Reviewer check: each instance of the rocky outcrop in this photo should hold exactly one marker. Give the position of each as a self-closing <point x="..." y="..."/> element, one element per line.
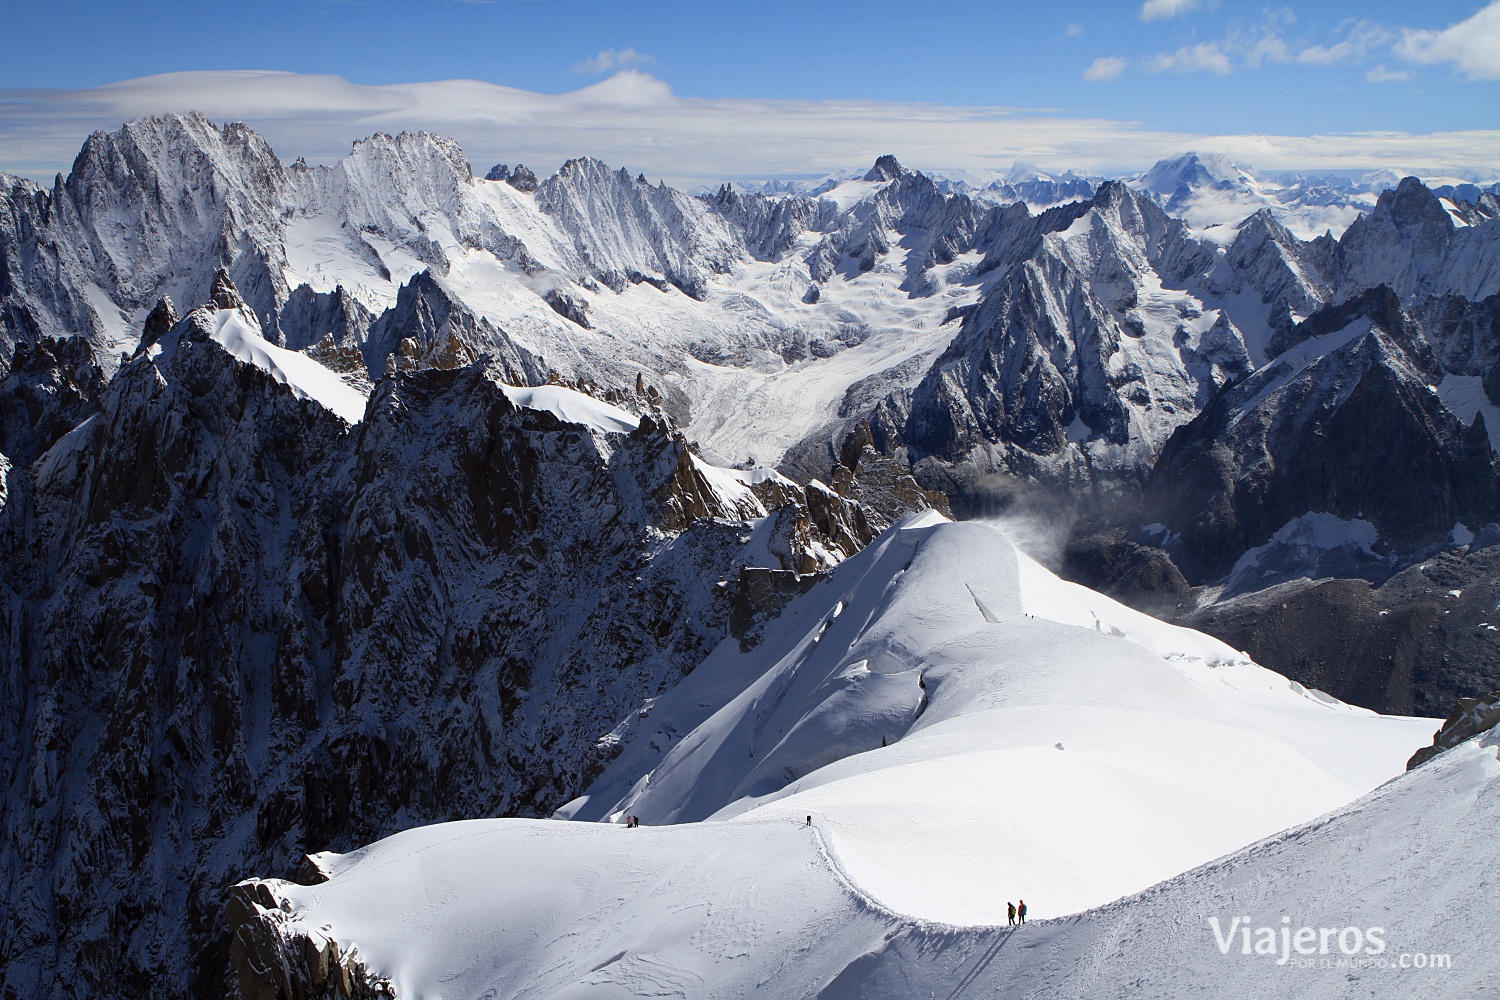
<point x="570" y="307"/>
<point x="271" y="957"/>
<point x="428" y="327"/>
<point x="1470" y="718"/>
<point x="1344" y="424"/>
<point x="239" y="629"/>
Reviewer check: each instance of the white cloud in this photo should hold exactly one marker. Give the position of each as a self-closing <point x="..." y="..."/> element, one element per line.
<point x="1161" y="10"/>
<point x="1074" y="29"/>
<point x="634" y="120"/>
<point x="613" y="59"/>
<point x="1379" y="74"/>
<point x="1203" y="57"/>
<point x="1472" y="45"/>
<point x="1105" y="68"/>
<point x="1263" y="49"/>
<point x="1361" y="39"/>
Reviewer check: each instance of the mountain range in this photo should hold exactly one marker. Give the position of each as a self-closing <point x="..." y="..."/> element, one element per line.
<point x="342" y="499"/>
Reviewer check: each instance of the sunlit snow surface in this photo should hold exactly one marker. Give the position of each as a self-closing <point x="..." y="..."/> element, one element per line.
<point x="972" y="663"/>
<point x="237" y="331"/>
<point x="1041" y="741"/>
<point x="573" y="407"/>
<point x="751" y="403"/>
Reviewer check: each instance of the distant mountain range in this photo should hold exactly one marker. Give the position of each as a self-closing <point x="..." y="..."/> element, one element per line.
<point x="344" y="498"/>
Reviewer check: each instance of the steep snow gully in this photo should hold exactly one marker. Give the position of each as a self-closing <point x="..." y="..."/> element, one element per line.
<point x="1061" y="748"/>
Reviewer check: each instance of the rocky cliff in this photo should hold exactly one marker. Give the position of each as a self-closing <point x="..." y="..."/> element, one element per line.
<point x="239" y="628"/>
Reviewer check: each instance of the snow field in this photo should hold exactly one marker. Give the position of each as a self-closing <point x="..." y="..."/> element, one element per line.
<point x="971" y="664"/>
<point x="1061" y="749"/>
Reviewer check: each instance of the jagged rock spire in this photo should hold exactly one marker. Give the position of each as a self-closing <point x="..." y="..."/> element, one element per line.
<point x="224" y="294"/>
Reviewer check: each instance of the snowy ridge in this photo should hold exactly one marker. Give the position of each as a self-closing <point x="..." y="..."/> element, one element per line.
<point x="755" y="900"/>
<point x="572" y="406"/>
<point x="237" y="331"/>
<point x="881" y="694"/>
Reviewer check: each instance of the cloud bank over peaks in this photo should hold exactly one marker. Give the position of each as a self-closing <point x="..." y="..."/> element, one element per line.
<point x="634" y="120"/>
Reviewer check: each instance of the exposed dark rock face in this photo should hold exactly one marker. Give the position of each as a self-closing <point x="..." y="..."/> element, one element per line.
<point x="429" y="328"/>
<point x="310" y="317"/>
<point x="1469" y="718"/>
<point x="1351" y="428"/>
<point x="237" y="630"/>
<point x="159" y="321"/>
<point x="570" y="307"/>
<point x="522" y="179"/>
<point x="51" y="387"/>
<point x="1142" y="576"/>
<point x="882" y="485"/>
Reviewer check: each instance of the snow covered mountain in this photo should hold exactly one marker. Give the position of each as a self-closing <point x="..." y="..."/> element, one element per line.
<point x="963" y="729"/>
<point x="441" y="480"/>
<point x="1208" y="190"/>
<point x="773" y="323"/>
<point x="251" y="612"/>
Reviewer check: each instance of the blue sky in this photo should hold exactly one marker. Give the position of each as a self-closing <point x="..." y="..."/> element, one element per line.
<point x="1209" y="67"/>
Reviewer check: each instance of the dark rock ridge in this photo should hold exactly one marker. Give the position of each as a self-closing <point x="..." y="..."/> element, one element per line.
<point x="1044" y="380"/>
<point x="430" y="328"/>
<point x="237" y="630"/>
<point x="1349" y="427"/>
<point x="1470" y="718"/>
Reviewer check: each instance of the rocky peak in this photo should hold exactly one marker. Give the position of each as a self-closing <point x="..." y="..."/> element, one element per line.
<point x="413" y="154"/>
<point x="223" y="294"/>
<point x="429" y="328"/>
<point x="1412" y="206"/>
<point x="159" y="322"/>
<point x="625" y="232"/>
<point x="1380" y="305"/>
<point x="522" y="179"/>
<point x="308" y="317"/>
<point x="886" y="168"/>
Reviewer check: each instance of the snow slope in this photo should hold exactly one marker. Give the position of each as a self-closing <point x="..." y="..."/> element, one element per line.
<point x="1412" y="859"/>
<point x="1171" y="747"/>
<point x="1038" y="738"/>
<point x="237" y="331"/>
<point x="572" y="406"/>
<point x="537" y="908"/>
